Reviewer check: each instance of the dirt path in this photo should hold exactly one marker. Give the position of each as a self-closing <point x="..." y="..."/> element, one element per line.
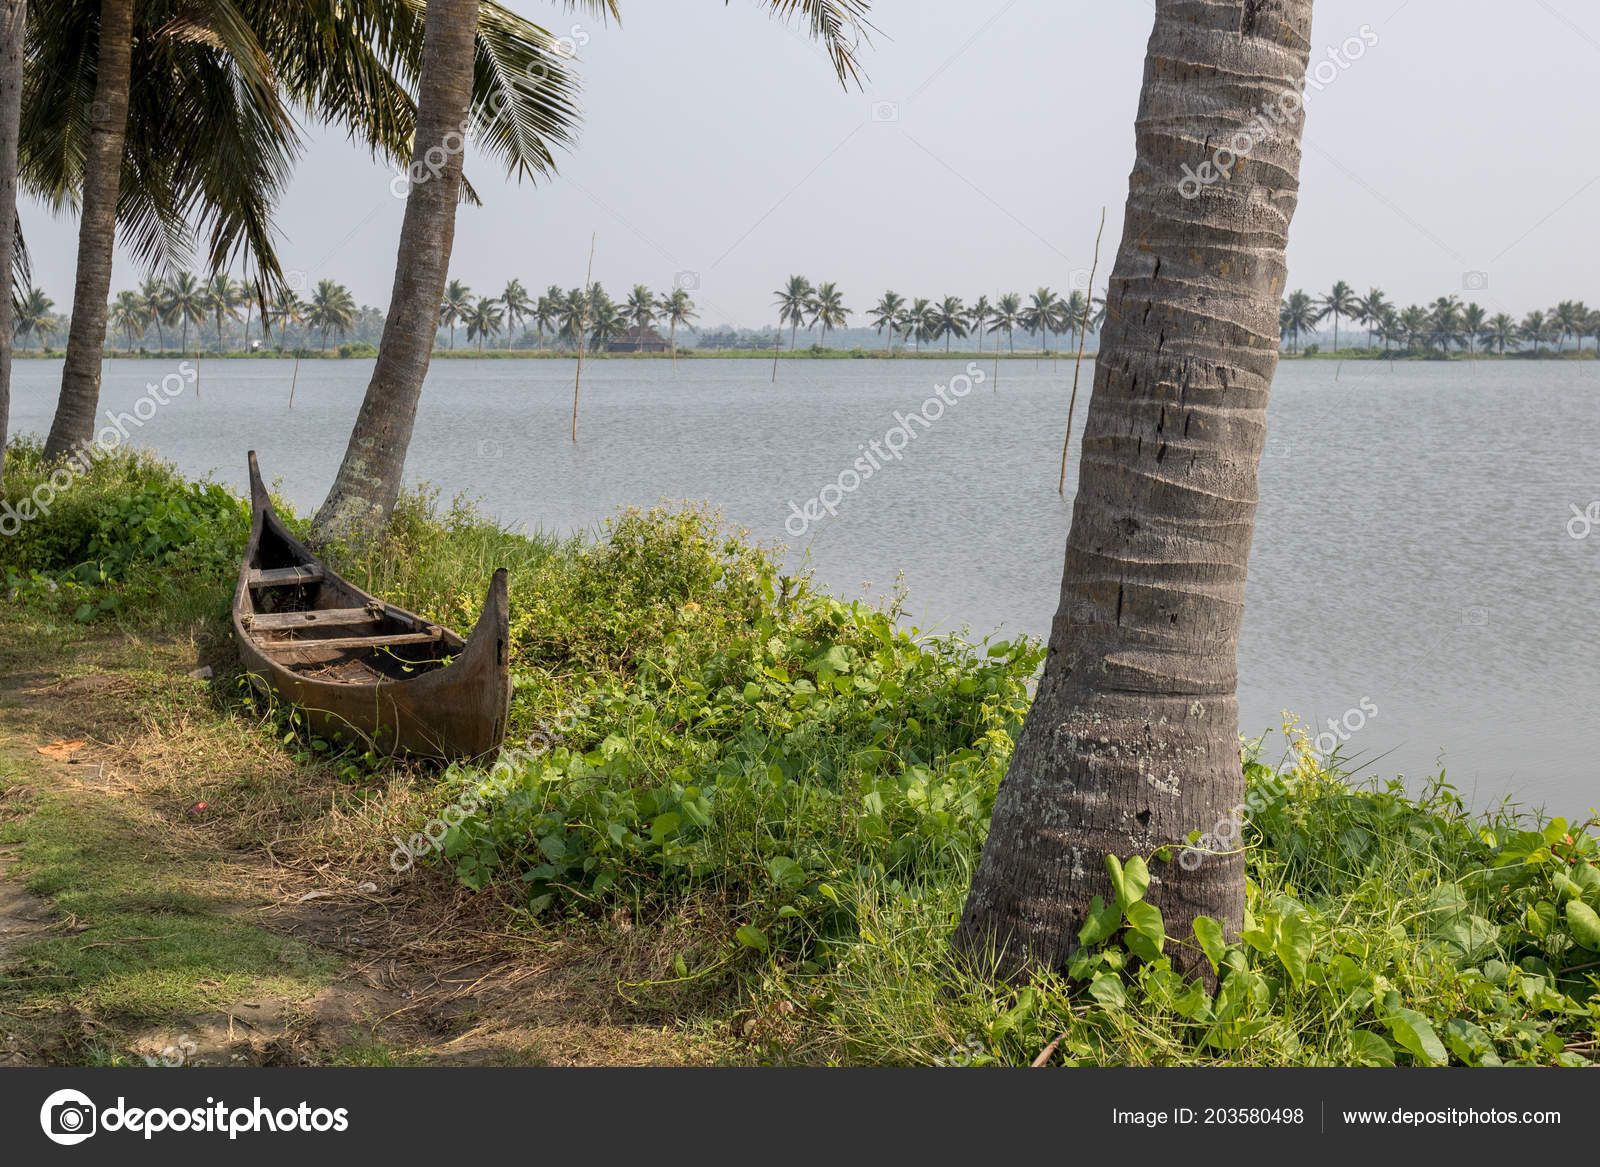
<point x="151" y="933"/>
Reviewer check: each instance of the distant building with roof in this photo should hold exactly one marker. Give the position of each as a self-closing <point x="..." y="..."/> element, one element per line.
<point x="639" y="340"/>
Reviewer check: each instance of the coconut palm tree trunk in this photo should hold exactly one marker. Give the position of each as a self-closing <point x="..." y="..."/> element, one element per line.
<point x="13" y="26"/>
<point x="1132" y="742"/>
<point x="368" y="482"/>
<point x="97" y="232"/>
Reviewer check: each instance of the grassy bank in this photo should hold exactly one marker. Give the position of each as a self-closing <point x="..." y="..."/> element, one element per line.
<point x="748" y="840"/>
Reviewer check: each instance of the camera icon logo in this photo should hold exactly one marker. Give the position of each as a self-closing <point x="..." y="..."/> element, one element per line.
<point x="686" y="281"/>
<point x="1475" y="281"/>
<point x="886" y="111"/>
<point x="295" y="279"/>
<point x="1078" y="281"/>
<point x="1475" y="617"/>
<point x="68" y="1117"/>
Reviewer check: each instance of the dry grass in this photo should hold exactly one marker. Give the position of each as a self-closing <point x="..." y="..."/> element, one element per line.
<point x="422" y="971"/>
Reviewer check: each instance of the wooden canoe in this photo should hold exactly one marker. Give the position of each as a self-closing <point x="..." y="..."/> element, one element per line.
<point x="361" y="667"/>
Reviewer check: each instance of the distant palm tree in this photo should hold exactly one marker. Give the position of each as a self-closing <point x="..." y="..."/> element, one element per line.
<point x="224" y="297"/>
<point x="1007" y="315"/>
<point x="1473" y="319"/>
<point x="31" y="314"/>
<point x="979" y="315"/>
<point x="828" y="310"/>
<point x="249" y="297"/>
<point x="604" y="317"/>
<point x="1416" y="327"/>
<point x="285" y="308"/>
<point x="1369" y="310"/>
<point x="949" y="321"/>
<point x="455" y="306"/>
<point x="484" y="319"/>
<point x="572" y="315"/>
<point x="794" y="305"/>
<point x="606" y="321"/>
<point x="1075" y="314"/>
<point x="129" y="313"/>
<point x="886" y="314"/>
<point x="1568" y="319"/>
<point x="917" y="321"/>
<point x="640" y="309"/>
<point x="332" y="310"/>
<point x="153" y="293"/>
<point x="1389" y="329"/>
<point x="1591" y="328"/>
<point x="1297" y="315"/>
<point x="547" y="312"/>
<point x="1500" y="330"/>
<point x="184" y="299"/>
<point x="1340" y="302"/>
<point x="1445" y="317"/>
<point x="1535" y="328"/>
<point x="676" y="308"/>
<point x="1043" y="315"/>
<point x="514" y="300"/>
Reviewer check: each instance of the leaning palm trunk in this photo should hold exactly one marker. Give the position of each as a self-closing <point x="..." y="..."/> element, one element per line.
<point x="1133" y="739"/>
<point x="368" y="482"/>
<point x="13" y="22"/>
<point x="97" y="232"/>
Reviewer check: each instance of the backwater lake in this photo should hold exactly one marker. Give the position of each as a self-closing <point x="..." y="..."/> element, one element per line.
<point x="1421" y="546"/>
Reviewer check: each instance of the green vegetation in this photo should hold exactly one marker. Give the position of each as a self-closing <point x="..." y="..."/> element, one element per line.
<point x="786" y="792"/>
<point x="147" y="945"/>
<point x="1443" y="330"/>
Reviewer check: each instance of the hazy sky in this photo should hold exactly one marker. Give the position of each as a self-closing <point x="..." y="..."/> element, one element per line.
<point x="990" y="133"/>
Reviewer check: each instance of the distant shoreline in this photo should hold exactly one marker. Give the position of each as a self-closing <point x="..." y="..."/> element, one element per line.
<point x="689" y="355"/>
<point x="555" y="355"/>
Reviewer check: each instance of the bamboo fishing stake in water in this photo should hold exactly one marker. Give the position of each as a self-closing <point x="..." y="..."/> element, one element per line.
<point x="1083" y="339"/>
<point x="583" y="337"/>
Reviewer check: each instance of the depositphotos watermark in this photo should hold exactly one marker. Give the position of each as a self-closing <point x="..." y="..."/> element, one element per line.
<point x="81" y="460"/>
<point x="1224" y="837"/>
<point x="502" y="775"/>
<point x="68" y="1117"/>
<point x="1583" y="522"/>
<point x="1239" y="147"/>
<point x="879" y="453"/>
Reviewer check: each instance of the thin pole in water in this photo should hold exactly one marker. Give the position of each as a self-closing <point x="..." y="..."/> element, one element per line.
<point x="583" y="334"/>
<point x="1083" y="339"/>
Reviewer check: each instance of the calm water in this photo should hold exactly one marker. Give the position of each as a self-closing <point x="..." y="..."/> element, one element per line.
<point x="1412" y="548"/>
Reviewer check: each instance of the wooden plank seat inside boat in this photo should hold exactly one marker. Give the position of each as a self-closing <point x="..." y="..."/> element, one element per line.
<point x="278" y="577"/>
<point x="341" y="617"/>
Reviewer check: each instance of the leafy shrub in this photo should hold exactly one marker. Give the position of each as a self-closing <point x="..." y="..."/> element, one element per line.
<point x="1432" y="938"/>
<point x="130" y="526"/>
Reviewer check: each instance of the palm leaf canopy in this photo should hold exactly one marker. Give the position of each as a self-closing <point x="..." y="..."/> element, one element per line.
<point x="217" y="84"/>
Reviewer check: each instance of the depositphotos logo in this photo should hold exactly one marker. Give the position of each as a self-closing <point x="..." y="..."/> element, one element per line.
<point x="70" y="1116"/>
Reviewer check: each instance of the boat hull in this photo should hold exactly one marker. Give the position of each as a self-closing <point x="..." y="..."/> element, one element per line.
<point x="420" y="690"/>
